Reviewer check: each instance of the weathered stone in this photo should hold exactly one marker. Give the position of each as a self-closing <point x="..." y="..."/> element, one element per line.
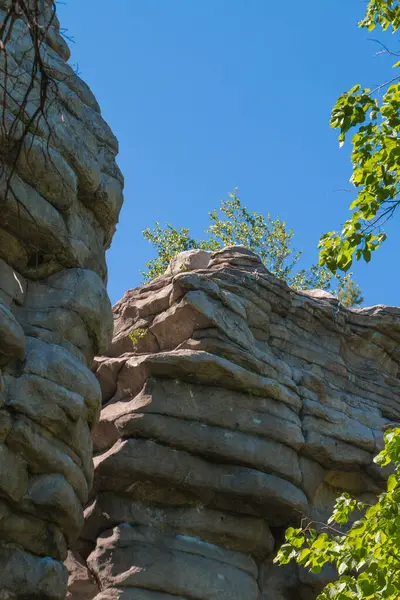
<point x="12" y="337"/>
<point x="241" y="404"/>
<point x="60" y="195"/>
<point x="45" y="454"/>
<point x="135" y="594"/>
<point x="13" y="474"/>
<point x="130" y="460"/>
<point x="237" y="256"/>
<point x="12" y="250"/>
<point x="59" y="410"/>
<point x="45" y="402"/>
<point x="206" y="368"/>
<point x="58" y="326"/>
<point x="198" y="311"/>
<point x="354" y="482"/>
<point x="52" y="497"/>
<point x="215" y="406"/>
<point x="12" y="283"/>
<point x="81" y="583"/>
<point x="189" y="260"/>
<point x="107" y="372"/>
<point x="332" y="453"/>
<point x="175" y="566"/>
<point x="5" y="424"/>
<point x="279" y="582"/>
<point x="316" y="582"/>
<point x="241" y="533"/>
<point x="140" y="303"/>
<point x="52" y="362"/>
<point x="333" y="423"/>
<point x="321" y="295"/>
<point x="80" y="291"/>
<point x="47" y="171"/>
<point x="215" y="443"/>
<point x="177" y="324"/>
<point x="313" y="475"/>
<point x="33" y="534"/>
<point x="29" y="575"/>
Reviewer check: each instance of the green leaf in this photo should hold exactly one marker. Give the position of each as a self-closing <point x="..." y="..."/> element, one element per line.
<point x="367" y="555"/>
<point x="367" y="255"/>
<point x="303" y="555"/>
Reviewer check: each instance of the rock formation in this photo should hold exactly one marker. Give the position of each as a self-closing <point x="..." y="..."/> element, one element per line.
<point x="60" y="195"/>
<point x="232" y="407"/>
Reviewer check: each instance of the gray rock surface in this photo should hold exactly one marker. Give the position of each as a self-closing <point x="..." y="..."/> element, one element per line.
<point x="189" y="260"/>
<point x="60" y="196"/>
<point x="240" y="407"/>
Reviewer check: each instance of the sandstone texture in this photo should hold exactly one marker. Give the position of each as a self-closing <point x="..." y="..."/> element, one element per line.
<point x="232" y="407"/>
<point x="60" y="195"/>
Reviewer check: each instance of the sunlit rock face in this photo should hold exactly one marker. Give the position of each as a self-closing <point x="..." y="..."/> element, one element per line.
<point x="232" y="407"/>
<point x="60" y="195"/>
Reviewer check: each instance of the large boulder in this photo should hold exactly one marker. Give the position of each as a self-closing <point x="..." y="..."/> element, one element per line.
<point x="60" y="195"/>
<point x="233" y="406"/>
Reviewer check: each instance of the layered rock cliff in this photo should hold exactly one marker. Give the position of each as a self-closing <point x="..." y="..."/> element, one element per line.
<point x="232" y="407"/>
<point x="60" y="195"/>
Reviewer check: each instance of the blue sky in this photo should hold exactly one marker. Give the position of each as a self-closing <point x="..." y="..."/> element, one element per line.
<point x="208" y="95"/>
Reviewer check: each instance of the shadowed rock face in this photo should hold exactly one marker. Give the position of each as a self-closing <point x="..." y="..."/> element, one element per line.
<point x="237" y="406"/>
<point x="59" y="203"/>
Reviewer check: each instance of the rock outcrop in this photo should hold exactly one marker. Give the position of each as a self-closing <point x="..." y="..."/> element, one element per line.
<point x="232" y="407"/>
<point x="60" y="195"/>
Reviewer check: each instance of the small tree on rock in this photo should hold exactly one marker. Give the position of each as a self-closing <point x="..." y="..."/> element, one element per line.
<point x="271" y="239"/>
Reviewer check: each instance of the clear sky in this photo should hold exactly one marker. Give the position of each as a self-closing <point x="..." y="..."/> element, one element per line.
<point x="208" y="95"/>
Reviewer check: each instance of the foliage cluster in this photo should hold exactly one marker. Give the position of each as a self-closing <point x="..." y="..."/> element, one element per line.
<point x="374" y="115"/>
<point x="366" y="552"/>
<point x="136" y="335"/>
<point x="270" y="238"/>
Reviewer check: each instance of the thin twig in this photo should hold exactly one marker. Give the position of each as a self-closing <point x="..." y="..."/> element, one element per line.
<point x="382" y="85"/>
<point x="384" y="47"/>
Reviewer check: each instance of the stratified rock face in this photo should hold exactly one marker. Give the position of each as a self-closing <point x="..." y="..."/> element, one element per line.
<point x="235" y="407"/>
<point x="60" y="194"/>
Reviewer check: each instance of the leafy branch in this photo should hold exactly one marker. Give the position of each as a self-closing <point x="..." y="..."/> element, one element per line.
<point x="271" y="239"/>
<point x="365" y="552"/>
<point x="375" y="156"/>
